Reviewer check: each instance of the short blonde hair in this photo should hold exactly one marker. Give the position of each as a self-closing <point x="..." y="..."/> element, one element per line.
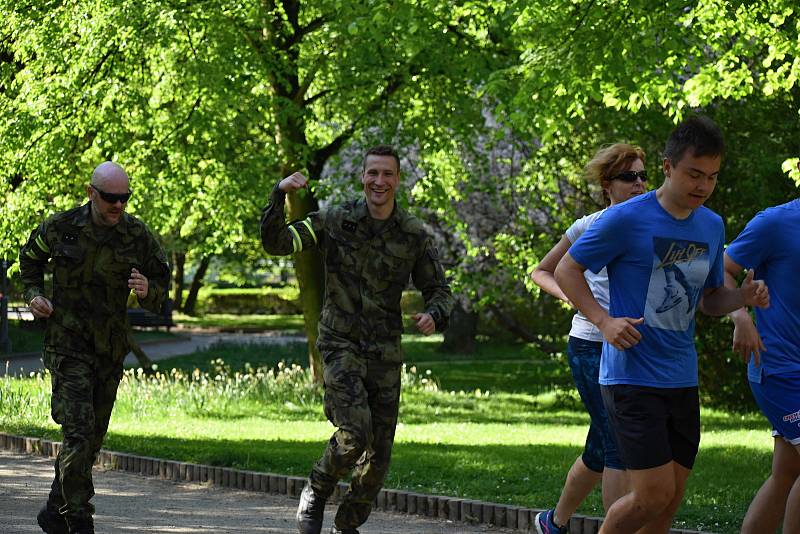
<point x="609" y="161"/>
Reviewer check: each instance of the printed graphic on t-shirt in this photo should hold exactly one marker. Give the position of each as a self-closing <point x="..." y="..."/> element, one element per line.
<point x="680" y="269"/>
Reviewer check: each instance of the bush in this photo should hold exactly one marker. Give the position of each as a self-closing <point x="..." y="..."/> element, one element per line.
<point x="247" y="301"/>
<point x="723" y="375"/>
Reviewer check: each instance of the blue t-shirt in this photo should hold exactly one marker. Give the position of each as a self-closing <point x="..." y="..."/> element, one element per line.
<point x="770" y="244"/>
<point x="657" y="268"/>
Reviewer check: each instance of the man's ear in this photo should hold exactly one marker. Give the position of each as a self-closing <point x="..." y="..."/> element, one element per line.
<point x="667" y="166"/>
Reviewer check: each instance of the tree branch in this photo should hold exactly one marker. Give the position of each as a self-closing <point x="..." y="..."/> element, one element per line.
<point x="321" y="155"/>
<point x="313" y="25"/>
<point x="184" y="121"/>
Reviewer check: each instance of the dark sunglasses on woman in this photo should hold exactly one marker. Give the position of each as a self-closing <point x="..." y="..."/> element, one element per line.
<point x="631" y="176"/>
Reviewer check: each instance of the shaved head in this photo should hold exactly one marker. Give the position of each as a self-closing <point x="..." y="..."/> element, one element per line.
<point x="109" y="181"/>
<point x="109" y="176"/>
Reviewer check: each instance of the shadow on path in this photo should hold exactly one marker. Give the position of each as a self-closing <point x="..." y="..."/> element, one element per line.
<point x="128" y="503"/>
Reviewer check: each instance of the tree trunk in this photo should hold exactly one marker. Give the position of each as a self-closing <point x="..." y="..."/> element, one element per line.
<point x="141" y="356"/>
<point x="179" y="261"/>
<point x="311" y="279"/>
<point x="197" y="283"/>
<point x="460" y="334"/>
<point x="519" y="330"/>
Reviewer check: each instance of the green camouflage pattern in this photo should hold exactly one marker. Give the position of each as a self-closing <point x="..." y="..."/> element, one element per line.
<point x="84" y="389"/>
<point x="86" y="338"/>
<point x="365" y="271"/>
<point x="362" y="399"/>
<point x="368" y="264"/>
<point x="90" y="279"/>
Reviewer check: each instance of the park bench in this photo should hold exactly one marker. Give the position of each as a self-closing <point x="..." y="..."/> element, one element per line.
<point x="137" y="316"/>
<point x="18" y="311"/>
<point x="142" y="317"/>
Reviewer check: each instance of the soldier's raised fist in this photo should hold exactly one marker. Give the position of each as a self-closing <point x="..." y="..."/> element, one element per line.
<point x="293" y="182"/>
<point x="41" y="307"/>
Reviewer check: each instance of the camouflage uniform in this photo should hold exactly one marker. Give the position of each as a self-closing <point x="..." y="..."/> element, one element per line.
<point x="86" y="337"/>
<point x="367" y="266"/>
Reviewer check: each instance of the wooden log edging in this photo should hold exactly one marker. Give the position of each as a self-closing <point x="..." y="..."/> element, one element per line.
<point x="388" y="500"/>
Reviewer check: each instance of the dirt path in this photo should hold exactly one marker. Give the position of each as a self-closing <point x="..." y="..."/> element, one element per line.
<point x="128" y="504"/>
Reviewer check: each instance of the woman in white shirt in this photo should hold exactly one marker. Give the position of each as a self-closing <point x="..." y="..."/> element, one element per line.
<point x="619" y="170"/>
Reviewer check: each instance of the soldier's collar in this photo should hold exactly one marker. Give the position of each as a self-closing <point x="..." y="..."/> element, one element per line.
<point x="122" y="225"/>
<point x="361" y="210"/>
<point x="84" y="215"/>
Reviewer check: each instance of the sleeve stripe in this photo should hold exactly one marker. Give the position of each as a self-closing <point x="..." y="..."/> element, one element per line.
<point x="297" y="243"/>
<point x="31" y="254"/>
<point x="307" y="222"/>
<point x="42" y="244"/>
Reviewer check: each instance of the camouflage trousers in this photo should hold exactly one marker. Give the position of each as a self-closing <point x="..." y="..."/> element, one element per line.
<point x="362" y="397"/>
<point x="83" y="395"/>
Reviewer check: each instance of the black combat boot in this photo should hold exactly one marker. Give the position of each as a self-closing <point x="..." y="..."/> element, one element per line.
<point x="52" y="522"/>
<point x="309" y="511"/>
<point x="335" y="530"/>
<point x="81" y="525"/>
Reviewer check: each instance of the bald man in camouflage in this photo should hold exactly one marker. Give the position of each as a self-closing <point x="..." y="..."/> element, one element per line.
<point x="370" y="247"/>
<point x="99" y="255"/>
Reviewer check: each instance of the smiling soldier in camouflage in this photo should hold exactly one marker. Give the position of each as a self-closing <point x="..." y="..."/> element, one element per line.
<point x="99" y="255"/>
<point x="370" y="247"/>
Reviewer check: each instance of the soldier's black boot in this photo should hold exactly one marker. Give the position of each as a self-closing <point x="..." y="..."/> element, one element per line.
<point x="52" y="522"/>
<point x="335" y="530"/>
<point x="309" y="511"/>
<point x="81" y="525"/>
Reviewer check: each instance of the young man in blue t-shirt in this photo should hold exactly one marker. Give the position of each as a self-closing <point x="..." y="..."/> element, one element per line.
<point x="770" y="245"/>
<point x="663" y="253"/>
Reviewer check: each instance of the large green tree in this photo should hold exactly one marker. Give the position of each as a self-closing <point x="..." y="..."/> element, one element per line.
<point x="208" y="103"/>
<point x="604" y="71"/>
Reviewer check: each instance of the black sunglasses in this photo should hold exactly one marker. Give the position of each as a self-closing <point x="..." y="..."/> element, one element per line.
<point x="630" y="176"/>
<point x="113" y="198"/>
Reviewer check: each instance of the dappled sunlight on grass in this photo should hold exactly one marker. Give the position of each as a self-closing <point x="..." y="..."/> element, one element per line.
<point x="238" y="356"/>
<point x="418" y="348"/>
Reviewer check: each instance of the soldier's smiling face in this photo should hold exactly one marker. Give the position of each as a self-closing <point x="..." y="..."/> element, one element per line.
<point x="380" y="179"/>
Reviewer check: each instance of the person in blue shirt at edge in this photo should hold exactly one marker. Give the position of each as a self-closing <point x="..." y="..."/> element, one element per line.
<point x="619" y="171"/>
<point x="663" y="252"/>
<point x="770" y="246"/>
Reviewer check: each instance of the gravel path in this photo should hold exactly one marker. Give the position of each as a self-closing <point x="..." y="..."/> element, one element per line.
<point x="128" y="503"/>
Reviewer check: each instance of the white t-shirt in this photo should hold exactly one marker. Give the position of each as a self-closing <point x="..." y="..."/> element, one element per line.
<point x="598" y="283"/>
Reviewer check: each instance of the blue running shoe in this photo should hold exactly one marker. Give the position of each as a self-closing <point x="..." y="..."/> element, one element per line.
<point x="545" y="525"/>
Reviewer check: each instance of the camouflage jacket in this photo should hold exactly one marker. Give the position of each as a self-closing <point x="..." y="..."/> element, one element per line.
<point x="90" y="279"/>
<point x="365" y="272"/>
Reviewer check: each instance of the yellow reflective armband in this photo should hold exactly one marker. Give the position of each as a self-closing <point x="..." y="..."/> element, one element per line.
<point x="297" y="243"/>
<point x="307" y="223"/>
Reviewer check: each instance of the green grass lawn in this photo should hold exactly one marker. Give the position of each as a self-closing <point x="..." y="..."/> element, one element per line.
<point x="27" y="336"/>
<point x="253" y="322"/>
<point x="502" y="427"/>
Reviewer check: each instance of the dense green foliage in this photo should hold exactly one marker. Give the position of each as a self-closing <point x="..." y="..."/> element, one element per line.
<point x="467" y="428"/>
<point x="252" y="301"/>
<point x="496" y="104"/>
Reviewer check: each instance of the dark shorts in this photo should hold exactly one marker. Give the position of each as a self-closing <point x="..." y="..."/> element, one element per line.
<point x="654" y="426"/>
<point x="778" y="396"/>
<point x="600" y="449"/>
